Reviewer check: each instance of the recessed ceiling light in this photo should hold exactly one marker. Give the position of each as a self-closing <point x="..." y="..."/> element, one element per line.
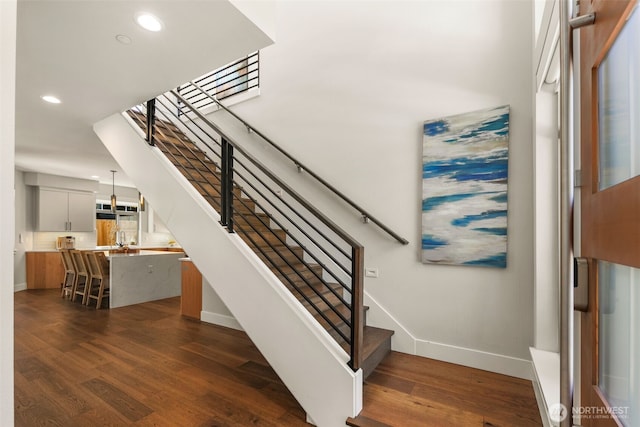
<point x="148" y="21"/>
<point x="51" y="99"/>
<point x="123" y="39"/>
<point x="95" y="176"/>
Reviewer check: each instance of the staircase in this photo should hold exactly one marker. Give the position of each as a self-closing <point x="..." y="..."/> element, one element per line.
<point x="327" y="300"/>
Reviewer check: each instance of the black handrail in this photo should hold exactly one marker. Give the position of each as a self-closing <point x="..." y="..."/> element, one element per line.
<point x="366" y="216"/>
<point x="298" y="198"/>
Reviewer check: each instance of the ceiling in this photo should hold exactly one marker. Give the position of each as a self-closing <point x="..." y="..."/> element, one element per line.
<point x="69" y="49"/>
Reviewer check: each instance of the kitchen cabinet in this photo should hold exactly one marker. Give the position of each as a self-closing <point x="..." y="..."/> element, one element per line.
<point x="191" y="300"/>
<point x="44" y="270"/>
<point x="61" y="210"/>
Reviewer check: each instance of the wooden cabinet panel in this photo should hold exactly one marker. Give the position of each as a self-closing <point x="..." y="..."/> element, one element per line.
<point x="44" y="270"/>
<point x="191" y="300"/>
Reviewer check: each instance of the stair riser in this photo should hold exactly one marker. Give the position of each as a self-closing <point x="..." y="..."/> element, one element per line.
<point x="292" y="255"/>
<point x="272" y="237"/>
<point x="203" y="175"/>
<point x="200" y="164"/>
<point x="254" y="222"/>
<point x="247" y="209"/>
<point x="315" y="299"/>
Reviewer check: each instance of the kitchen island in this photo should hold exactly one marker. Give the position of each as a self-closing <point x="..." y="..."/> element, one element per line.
<point x="143" y="276"/>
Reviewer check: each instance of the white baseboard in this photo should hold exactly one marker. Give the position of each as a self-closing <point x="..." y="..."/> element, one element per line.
<point x="220" y="320"/>
<point x="498" y="363"/>
<point x="19" y="287"/>
<point x="402" y="340"/>
<point x="405" y="342"/>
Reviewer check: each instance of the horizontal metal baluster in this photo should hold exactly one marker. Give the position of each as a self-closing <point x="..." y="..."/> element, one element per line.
<point x="206" y="80"/>
<point x="299" y="244"/>
<point x="302" y="294"/>
<point x="293" y="194"/>
<point x="225" y="219"/>
<point x="297" y="272"/>
<point x="184" y="168"/>
<point x="194" y="123"/>
<point x="339" y="281"/>
<point x="333" y="291"/>
<point x="203" y="163"/>
<point x="299" y="164"/>
<point x="291" y="221"/>
<point x="319" y="289"/>
<point x="197" y="136"/>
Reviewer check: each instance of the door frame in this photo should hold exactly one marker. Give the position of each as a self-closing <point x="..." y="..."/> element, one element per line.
<point x="603" y="235"/>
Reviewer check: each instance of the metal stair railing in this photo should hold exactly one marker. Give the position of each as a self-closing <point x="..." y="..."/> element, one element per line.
<point x="195" y="86"/>
<point x="239" y="76"/>
<point x="317" y="260"/>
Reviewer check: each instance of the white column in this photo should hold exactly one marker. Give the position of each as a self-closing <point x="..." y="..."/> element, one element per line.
<point x="7" y="201"/>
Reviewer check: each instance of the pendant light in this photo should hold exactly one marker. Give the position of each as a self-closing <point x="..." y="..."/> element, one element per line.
<point x="113" y="194"/>
<point x="141" y="201"/>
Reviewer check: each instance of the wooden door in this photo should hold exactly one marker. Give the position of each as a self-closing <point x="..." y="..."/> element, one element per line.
<point x="191" y="299"/>
<point x="106" y="232"/>
<point x="610" y="212"/>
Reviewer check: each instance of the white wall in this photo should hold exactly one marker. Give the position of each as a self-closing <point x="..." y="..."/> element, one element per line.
<point x="214" y="310"/>
<point x="7" y="146"/>
<point x="346" y="89"/>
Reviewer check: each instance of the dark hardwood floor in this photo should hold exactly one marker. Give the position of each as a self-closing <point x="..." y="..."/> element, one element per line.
<point x="145" y="365"/>
<point x="140" y="365"/>
<point x="425" y="392"/>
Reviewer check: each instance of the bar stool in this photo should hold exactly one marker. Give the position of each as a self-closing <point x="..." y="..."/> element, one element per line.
<point x="97" y="262"/>
<point x="69" y="273"/>
<point x="82" y="275"/>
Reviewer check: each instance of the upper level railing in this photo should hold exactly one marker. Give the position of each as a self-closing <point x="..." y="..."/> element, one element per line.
<point x="231" y="79"/>
<point x="203" y="93"/>
<point x="318" y="261"/>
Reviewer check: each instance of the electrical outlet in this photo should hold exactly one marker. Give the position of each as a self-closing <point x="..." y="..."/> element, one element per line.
<point x="371" y="272"/>
<point x="150" y="268"/>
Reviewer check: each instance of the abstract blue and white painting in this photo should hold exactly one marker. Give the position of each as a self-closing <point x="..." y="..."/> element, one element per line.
<point x="465" y="162"/>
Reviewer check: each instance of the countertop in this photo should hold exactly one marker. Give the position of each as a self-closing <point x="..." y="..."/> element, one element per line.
<point x="139" y="253"/>
<point x="144" y="247"/>
<point x="107" y="248"/>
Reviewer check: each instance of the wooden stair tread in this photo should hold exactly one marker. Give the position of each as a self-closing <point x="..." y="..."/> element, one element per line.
<point x="376" y="345"/>
<point x="291" y="254"/>
<point x="372" y="337"/>
<point x="304" y="289"/>
<point x="362" y="421"/>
